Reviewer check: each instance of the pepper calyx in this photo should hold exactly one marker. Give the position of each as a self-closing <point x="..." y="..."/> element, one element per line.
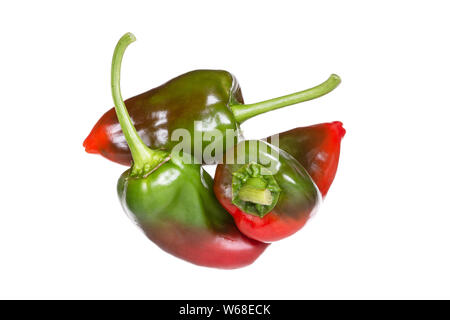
<point x="157" y="160"/>
<point x="255" y="189"/>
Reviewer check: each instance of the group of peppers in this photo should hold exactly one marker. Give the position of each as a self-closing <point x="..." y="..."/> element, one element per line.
<point x="227" y="222"/>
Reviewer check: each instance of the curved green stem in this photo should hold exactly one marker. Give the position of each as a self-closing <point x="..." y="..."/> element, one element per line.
<point x="144" y="159"/>
<point x="244" y="112"/>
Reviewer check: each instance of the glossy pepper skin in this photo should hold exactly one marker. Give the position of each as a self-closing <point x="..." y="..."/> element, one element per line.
<point x="202" y="102"/>
<point x="317" y="148"/>
<point x="173" y="202"/>
<point x="292" y="199"/>
<point x="176" y="208"/>
<point x="201" y="95"/>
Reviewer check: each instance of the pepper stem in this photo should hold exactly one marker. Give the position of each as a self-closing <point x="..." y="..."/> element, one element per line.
<point x="244" y="112"/>
<point x="256" y="195"/>
<point x="145" y="159"/>
<point x="254" y="190"/>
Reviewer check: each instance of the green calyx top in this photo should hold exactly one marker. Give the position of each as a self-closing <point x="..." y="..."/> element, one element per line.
<point x="255" y="190"/>
<point x="145" y="160"/>
<point x="244" y="112"/>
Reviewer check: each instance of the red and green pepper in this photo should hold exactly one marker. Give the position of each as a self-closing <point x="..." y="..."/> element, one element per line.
<point x="200" y="101"/>
<point x="270" y="197"/>
<point x="225" y="223"/>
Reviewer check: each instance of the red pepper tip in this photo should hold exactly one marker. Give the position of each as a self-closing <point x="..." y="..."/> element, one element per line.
<point x="89" y="146"/>
<point x="338" y="126"/>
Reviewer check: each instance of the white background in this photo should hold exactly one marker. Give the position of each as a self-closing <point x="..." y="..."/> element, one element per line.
<point x="383" y="231"/>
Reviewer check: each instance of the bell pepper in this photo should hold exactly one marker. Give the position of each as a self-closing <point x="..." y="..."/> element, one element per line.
<point x="200" y="101"/>
<point x="267" y="192"/>
<point x="173" y="202"/>
<point x="317" y="148"/>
